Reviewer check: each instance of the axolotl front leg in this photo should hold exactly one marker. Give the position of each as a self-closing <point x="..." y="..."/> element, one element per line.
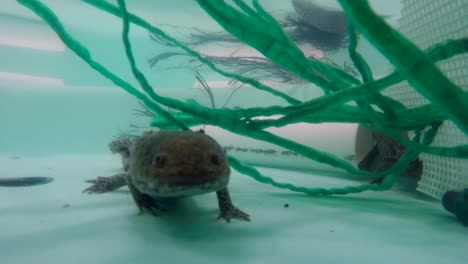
<point x="227" y="210"/>
<point x="107" y="184"/>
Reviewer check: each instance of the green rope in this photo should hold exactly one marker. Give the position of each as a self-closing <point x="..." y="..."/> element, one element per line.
<point x="257" y="28"/>
<point x="385" y="103"/>
<point x="238" y="126"/>
<point x="255" y="174"/>
<point x="387" y="183"/>
<point x="50" y="18"/>
<point x="266" y="36"/>
<point x="413" y="64"/>
<point x="210" y="116"/>
<point x="111" y="9"/>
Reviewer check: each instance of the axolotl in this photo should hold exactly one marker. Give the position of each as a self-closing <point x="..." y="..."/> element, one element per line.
<point x="167" y="164"/>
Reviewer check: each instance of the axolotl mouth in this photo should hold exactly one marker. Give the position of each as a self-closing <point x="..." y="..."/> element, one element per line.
<point x="179" y="189"/>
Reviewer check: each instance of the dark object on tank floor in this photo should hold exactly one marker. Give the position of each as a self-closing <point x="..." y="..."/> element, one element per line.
<point x="385" y="153"/>
<point x="24" y="181"/>
<point x="457" y="204"/>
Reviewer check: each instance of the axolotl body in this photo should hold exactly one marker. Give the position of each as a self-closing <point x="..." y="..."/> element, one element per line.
<point x="171" y="164"/>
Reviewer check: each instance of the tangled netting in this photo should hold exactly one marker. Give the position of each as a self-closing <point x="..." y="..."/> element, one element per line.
<point x="252" y="25"/>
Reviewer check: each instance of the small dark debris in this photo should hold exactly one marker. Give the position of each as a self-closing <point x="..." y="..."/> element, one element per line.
<point x="228" y="148"/>
<point x="286" y="205"/>
<point x="256" y="150"/>
<point x="331" y="231"/>
<point x="66" y="205"/>
<point x="269" y="151"/>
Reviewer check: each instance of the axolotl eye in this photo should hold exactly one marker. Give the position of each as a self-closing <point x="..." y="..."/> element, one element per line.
<point x="215" y="159"/>
<point x="159" y="161"/>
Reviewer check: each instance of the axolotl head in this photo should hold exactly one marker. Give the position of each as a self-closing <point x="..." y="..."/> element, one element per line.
<point x="178" y="163"/>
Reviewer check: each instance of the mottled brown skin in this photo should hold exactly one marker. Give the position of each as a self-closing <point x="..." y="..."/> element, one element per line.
<point x="384" y="155"/>
<point x="122" y="147"/>
<point x="173" y="164"/>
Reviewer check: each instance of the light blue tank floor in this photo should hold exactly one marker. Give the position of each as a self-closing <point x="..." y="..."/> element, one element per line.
<point x="56" y="223"/>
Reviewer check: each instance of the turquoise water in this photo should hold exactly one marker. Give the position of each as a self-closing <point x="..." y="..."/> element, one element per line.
<point x="58" y="116"/>
<point x="52" y="102"/>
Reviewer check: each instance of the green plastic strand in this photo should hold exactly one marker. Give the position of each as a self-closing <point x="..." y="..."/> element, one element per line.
<point x="311" y="153"/>
<point x="271" y="39"/>
<point x="437" y="53"/>
<point x="366" y="74"/>
<point x="255" y="174"/>
<point x="111" y="9"/>
<point x="387" y="183"/>
<point x="364" y="70"/>
<point x="418" y="68"/>
<point x="274" y="25"/>
<point x="249" y="11"/>
<point x="380" y="84"/>
<point x="138" y="75"/>
<point x="409" y="120"/>
<point x="319" y="156"/>
<point x="357" y="59"/>
<point x="328" y="101"/>
<point x="50" y="18"/>
<point x="274" y="44"/>
<point x="47" y="15"/>
<point x="448" y="49"/>
<point x="406" y="120"/>
<point x="207" y="114"/>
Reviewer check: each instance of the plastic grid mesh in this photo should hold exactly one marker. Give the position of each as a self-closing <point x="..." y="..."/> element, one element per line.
<point x="427" y="23"/>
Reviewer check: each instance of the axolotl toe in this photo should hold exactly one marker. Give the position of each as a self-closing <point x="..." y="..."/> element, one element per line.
<point x="173" y="164"/>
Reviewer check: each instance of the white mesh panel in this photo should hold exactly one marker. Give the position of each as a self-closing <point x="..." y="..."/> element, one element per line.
<point x="426" y="23"/>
